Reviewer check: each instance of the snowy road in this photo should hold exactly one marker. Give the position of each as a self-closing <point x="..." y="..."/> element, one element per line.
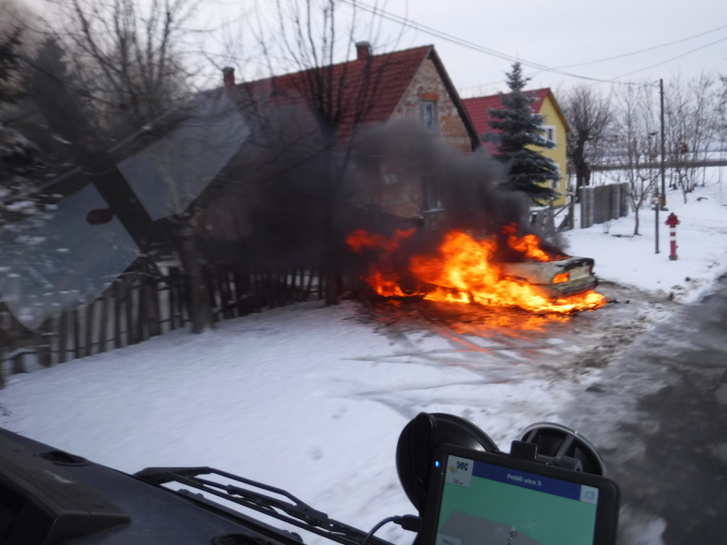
<point x="668" y="448"/>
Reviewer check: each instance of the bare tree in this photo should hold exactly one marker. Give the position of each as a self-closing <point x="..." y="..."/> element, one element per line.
<point x="9" y="62"/>
<point x="123" y="86"/>
<point x="589" y="115"/>
<point x="126" y="58"/>
<point x="636" y="144"/>
<point x="690" y="112"/>
<point x="20" y="156"/>
<point x="309" y="38"/>
<point x="721" y="119"/>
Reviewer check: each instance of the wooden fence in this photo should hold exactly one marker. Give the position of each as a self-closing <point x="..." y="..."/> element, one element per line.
<point x="139" y="306"/>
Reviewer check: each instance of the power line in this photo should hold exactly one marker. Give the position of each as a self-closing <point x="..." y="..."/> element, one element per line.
<point x="492" y="52"/>
<point x="470" y="45"/>
<point x="624" y="55"/>
<point x="674" y="58"/>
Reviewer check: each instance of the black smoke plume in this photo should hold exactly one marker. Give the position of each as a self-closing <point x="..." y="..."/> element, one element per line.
<point x="286" y="185"/>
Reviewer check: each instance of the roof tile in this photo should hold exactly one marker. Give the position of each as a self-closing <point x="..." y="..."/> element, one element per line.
<point x="479" y="110"/>
<point x="363" y="91"/>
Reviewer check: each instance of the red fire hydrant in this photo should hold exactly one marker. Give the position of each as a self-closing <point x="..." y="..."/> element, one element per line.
<point x="672" y="222"/>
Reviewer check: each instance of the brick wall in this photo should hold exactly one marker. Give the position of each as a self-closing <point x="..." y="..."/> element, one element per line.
<point x="427" y="85"/>
<point x="402" y="195"/>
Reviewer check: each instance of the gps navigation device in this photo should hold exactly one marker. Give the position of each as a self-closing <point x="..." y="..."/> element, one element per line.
<point x="478" y="498"/>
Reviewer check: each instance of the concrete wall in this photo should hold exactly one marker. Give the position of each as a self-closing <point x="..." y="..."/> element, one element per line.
<point x="603" y="203"/>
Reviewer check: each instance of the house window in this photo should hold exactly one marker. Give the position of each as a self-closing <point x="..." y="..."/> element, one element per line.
<point x="430" y="197"/>
<point x="428" y="110"/>
<point x="549" y="133"/>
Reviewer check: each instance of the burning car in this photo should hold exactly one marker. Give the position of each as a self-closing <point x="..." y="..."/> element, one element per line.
<point x="467" y="270"/>
<point x="556" y="279"/>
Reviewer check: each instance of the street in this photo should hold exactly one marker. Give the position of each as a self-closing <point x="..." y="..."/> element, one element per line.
<point x="656" y="409"/>
<point x="668" y="448"/>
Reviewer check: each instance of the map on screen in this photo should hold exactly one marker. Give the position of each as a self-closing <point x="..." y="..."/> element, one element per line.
<point x="485" y="504"/>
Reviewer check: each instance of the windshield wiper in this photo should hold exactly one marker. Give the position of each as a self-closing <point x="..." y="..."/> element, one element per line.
<point x="289" y="509"/>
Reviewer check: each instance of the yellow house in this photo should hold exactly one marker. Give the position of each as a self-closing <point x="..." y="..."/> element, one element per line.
<point x="555" y="129"/>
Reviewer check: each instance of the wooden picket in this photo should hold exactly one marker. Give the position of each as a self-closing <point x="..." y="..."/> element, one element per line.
<point x="138" y="306"/>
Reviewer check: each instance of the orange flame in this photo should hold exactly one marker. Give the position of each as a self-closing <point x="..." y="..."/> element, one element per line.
<point x="463" y="272"/>
<point x="381" y="276"/>
<point x="527" y="245"/>
<point x="386" y="287"/>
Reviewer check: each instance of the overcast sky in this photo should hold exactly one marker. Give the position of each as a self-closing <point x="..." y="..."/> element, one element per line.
<point x="571" y="35"/>
<point x="624" y="40"/>
<point x="479" y="39"/>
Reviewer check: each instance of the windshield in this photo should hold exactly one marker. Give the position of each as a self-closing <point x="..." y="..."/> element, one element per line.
<point x="264" y="237"/>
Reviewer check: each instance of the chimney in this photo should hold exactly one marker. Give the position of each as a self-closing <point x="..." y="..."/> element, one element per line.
<point x="228" y="76"/>
<point x="363" y="51"/>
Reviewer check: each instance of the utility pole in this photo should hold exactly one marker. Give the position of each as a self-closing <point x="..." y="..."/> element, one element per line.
<point x="656" y="221"/>
<point x="663" y="144"/>
<point x="661" y="200"/>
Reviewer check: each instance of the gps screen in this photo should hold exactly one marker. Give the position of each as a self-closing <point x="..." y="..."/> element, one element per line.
<point x="483" y="504"/>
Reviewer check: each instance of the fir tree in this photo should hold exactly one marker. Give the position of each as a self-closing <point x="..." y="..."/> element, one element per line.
<point x="517" y="127"/>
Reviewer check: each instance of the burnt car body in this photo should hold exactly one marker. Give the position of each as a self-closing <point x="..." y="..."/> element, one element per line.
<point x="555" y="279"/>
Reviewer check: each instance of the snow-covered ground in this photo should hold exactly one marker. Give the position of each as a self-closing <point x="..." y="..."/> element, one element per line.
<point x="632" y="260"/>
<point x="312" y="399"/>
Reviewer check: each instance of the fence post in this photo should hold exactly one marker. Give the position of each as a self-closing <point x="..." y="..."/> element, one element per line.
<point x="181" y="283"/>
<point x="309" y="286"/>
<point x="117" y="295"/>
<point x="171" y="300"/>
<point x="89" y="328"/>
<point x="155" y="326"/>
<point x="43" y="336"/>
<point x="19" y="363"/>
<point x="240" y="293"/>
<point x="131" y="337"/>
<point x="625" y="200"/>
<point x="600" y="204"/>
<point x="227" y="296"/>
<point x="209" y="280"/>
<point x="586" y="207"/>
<point x="63" y="337"/>
<point x="76" y="333"/>
<point x="143" y="315"/>
<point x="103" y="321"/>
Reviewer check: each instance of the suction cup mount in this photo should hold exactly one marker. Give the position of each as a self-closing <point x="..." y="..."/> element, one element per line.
<point x="417" y="442"/>
<point x="560" y="445"/>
